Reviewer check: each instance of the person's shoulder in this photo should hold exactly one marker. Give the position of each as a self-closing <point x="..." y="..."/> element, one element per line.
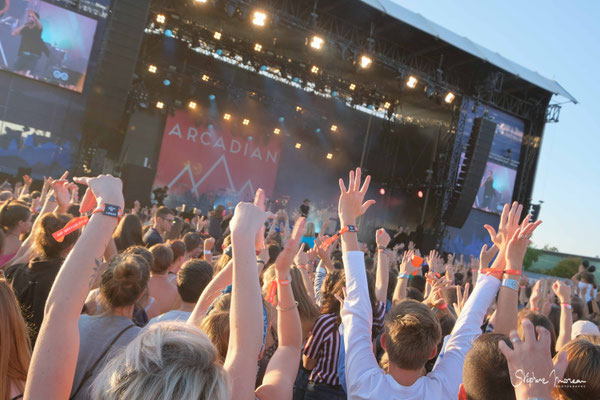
<point x="11" y="272"/>
<point x="326" y="319"/>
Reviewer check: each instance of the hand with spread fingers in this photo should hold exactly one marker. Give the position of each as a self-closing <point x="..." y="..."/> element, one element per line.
<point x="351" y="204"/>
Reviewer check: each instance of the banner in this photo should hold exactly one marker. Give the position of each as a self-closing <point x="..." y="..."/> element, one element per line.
<point x="204" y="164"/>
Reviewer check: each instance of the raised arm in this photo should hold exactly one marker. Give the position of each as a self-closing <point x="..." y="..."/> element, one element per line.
<point x="59" y="334"/>
<point x="246" y="316"/>
<point x="563" y="292"/>
<point x="406" y="270"/>
<point x="210" y="294"/>
<point x="278" y="382"/>
<point x="382" y="276"/>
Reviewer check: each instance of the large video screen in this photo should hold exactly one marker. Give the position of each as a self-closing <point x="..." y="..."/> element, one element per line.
<point x="496" y="188"/>
<point x="44" y="42"/>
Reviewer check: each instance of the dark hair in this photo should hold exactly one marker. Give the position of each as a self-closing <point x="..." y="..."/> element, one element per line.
<point x="485" y="371"/>
<point x="587" y="277"/>
<point x="163" y="212"/>
<point x="369" y="263"/>
<point x="35" y="194"/>
<point x="192" y="240"/>
<point x="178" y="249"/>
<point x="143" y="252"/>
<point x="74" y="210"/>
<point x="537" y="319"/>
<point x="585" y="264"/>
<point x="333" y="284"/>
<point x="49" y="224"/>
<point x="192" y="278"/>
<point x="274" y="251"/>
<point x="124" y="280"/>
<point x="418" y="282"/>
<point x="128" y="233"/>
<point x="554" y="317"/>
<point x="12" y="213"/>
<point x="175" y="232"/>
<point x="414" y="294"/>
<point x="163" y="258"/>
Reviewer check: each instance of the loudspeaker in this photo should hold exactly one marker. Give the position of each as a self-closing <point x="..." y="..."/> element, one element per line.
<point x="471" y="172"/>
<point x="137" y="184"/>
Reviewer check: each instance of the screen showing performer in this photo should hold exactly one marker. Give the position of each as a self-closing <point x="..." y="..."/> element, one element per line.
<point x="496" y="188"/>
<point x="45" y="42"/>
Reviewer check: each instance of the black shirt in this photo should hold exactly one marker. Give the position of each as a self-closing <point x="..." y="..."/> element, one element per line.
<point x="31" y="40"/>
<point x="32" y="283"/>
<point x="304" y="210"/>
<point x="152" y="237"/>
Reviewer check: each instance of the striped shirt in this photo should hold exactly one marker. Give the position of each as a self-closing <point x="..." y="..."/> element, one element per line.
<point x="324" y="344"/>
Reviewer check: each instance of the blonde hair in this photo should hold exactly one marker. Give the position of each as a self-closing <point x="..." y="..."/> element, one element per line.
<point x="584" y="364"/>
<point x="15" y="348"/>
<point x="168" y="360"/>
<point x="309" y="230"/>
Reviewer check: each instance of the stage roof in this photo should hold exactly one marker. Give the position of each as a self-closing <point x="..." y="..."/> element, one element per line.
<point x="418" y="21"/>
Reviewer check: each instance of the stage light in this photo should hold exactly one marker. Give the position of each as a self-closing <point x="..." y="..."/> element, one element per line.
<point x="227" y="117"/>
<point x="317" y="42"/>
<point x="420" y="194"/>
<point x="412" y="82"/>
<point x="259" y="18"/>
<point x="382" y="191"/>
<point x="258" y="47"/>
<point x="276" y="131"/>
<point x="205" y="78"/>
<point x="333" y="128"/>
<point x="314" y="69"/>
<point x="387" y="105"/>
<point x="352" y="86"/>
<point x="449" y="97"/>
<point x="152" y="69"/>
<point x="168" y="33"/>
<point x="160" y="105"/>
<point x="329" y="156"/>
<point x="365" y="62"/>
<point x="200" y="1"/>
<point x="217" y="35"/>
<point x="167" y="82"/>
<point x="160" y="18"/>
<point x="192" y="105"/>
<point x="212" y="97"/>
<point x="298" y="145"/>
<point x="246" y="122"/>
<point x="298" y="108"/>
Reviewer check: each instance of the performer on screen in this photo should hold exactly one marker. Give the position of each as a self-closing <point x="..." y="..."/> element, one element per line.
<point x="4" y="6"/>
<point x="489" y="193"/>
<point x="32" y="46"/>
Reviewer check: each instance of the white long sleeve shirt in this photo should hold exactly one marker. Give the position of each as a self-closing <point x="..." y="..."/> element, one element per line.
<point x="365" y="380"/>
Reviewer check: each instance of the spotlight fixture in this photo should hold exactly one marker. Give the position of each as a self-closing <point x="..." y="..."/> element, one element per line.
<point x="160" y="18"/>
<point x="205" y="78"/>
<point x="298" y="145"/>
<point x="200" y="1"/>
<point x="352" y="86"/>
<point x="329" y="156"/>
<point x="258" y="47"/>
<point x="382" y="191"/>
<point x="420" y="194"/>
<point x="314" y="69"/>
<point x="217" y="35"/>
<point x="333" y="128"/>
<point x="259" y="18"/>
<point x="317" y="42"/>
<point x="365" y="62"/>
<point x="298" y="108"/>
<point x="246" y="122"/>
<point x="449" y="97"/>
<point x="227" y="117"/>
<point x="276" y="131"/>
<point x="192" y="105"/>
<point x="387" y="105"/>
<point x="160" y="105"/>
<point x="152" y="69"/>
<point x="412" y="82"/>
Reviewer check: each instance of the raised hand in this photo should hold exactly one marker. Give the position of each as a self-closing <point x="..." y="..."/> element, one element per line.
<point x="509" y="223"/>
<point x="61" y="193"/>
<point x="562" y="291"/>
<point x="259" y="201"/>
<point x="517" y="246"/>
<point x="461" y="298"/>
<point x="301" y="258"/>
<point x="532" y="357"/>
<point x="406" y="266"/>
<point x="105" y="188"/>
<point x="285" y="258"/>
<point x="382" y="238"/>
<point x="209" y="243"/>
<point x="247" y="219"/>
<point x="27" y="180"/>
<point x="487" y="255"/>
<point x="351" y="204"/>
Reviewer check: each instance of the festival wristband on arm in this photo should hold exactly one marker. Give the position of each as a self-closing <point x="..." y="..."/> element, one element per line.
<point x="331" y="240"/>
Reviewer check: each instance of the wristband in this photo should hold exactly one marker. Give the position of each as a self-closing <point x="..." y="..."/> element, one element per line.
<point x="287" y="308"/>
<point x="260" y="262"/>
<point x="512" y="272"/>
<point x="381" y="248"/>
<point x="403" y="275"/>
<point x="109" y="210"/>
<point x="511" y="283"/>
<point x="348" y="228"/>
<point x="284" y="282"/>
<point x="207" y="252"/>
<point x="442" y="306"/>
<point x="567" y="305"/>
<point x="534" y="309"/>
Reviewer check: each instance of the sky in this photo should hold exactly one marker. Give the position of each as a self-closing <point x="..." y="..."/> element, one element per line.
<point x="559" y="40"/>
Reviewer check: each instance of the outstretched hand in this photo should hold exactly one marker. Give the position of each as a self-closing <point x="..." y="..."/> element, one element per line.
<point x="104" y="188"/>
<point x="351" y="204"/>
<point x="285" y="258"/>
<point x="509" y="223"/>
<point x="382" y="238"/>
<point x="247" y="220"/>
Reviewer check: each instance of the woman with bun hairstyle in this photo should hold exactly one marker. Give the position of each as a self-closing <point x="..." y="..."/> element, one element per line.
<point x="32" y="281"/>
<point x="15" y="220"/>
<point x="121" y="286"/>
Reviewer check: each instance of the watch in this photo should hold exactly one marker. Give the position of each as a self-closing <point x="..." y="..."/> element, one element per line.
<point x="402" y="275"/>
<point x="511" y="283"/>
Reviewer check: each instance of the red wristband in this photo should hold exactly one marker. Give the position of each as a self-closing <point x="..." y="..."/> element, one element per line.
<point x="569" y="306"/>
<point x="512" y="272"/>
<point x="442" y="306"/>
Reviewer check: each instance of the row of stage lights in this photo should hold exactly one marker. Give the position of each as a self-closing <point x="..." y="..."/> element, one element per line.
<point x="259" y="18"/>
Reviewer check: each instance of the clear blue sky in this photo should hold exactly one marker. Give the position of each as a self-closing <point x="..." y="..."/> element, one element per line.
<point x="560" y="40"/>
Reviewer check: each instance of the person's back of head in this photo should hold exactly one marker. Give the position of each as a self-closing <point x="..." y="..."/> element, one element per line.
<point x="124" y="281"/>
<point x="537" y="319"/>
<point x="306" y="307"/>
<point x="274" y="251"/>
<point x="15" y="214"/>
<point x="176" y="228"/>
<point x="412" y="334"/>
<point x="192" y="241"/>
<point x="485" y="370"/>
<point x="45" y="242"/>
<point x="584" y="365"/>
<point x="6" y="195"/>
<point x="216" y="327"/>
<point x="163" y="211"/>
<point x="418" y="282"/>
<point x="163" y="257"/>
<point x="15" y="348"/>
<point x="128" y="233"/>
<point x="178" y="249"/>
<point x="169" y="360"/>
<point x="141" y="251"/>
<point x="192" y="278"/>
<point x="587" y="277"/>
<point x="414" y="294"/>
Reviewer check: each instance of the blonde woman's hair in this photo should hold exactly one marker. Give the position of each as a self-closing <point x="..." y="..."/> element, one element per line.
<point x="169" y="360"/>
<point x="309" y="229"/>
<point x="15" y="348"/>
<point x="306" y="307"/>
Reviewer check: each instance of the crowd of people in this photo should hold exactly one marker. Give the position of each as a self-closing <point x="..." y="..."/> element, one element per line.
<point x="102" y="302"/>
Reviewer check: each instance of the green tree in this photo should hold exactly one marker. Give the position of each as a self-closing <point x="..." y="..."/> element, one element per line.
<point x="566" y="268"/>
<point x="547" y="247"/>
<point x="531" y="255"/>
